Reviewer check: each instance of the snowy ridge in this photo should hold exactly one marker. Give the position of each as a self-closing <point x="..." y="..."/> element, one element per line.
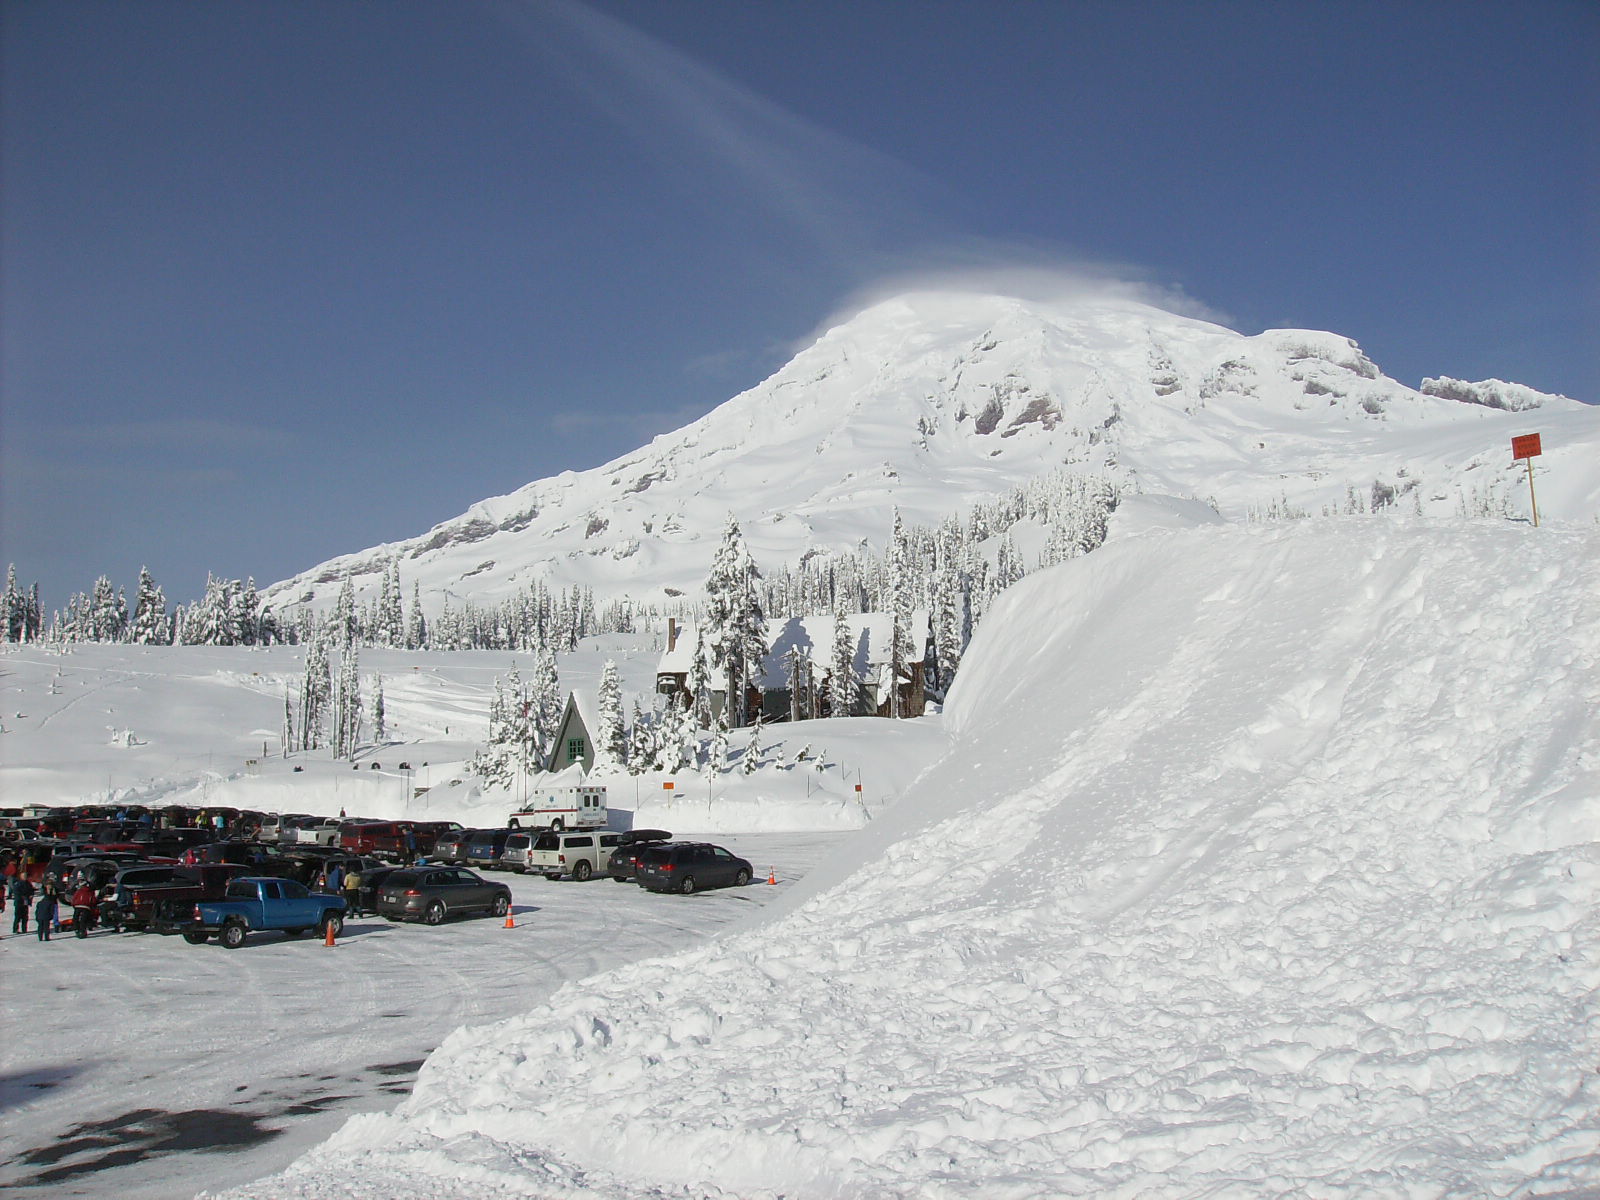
<point x="1264" y="862"/>
<point x="934" y="401"/>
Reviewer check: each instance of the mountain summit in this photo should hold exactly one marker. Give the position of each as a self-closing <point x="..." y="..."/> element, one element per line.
<point x="932" y="401"/>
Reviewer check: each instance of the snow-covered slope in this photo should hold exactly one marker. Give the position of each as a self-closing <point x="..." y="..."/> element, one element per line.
<point x="1265" y="862"/>
<point x="933" y="401"/>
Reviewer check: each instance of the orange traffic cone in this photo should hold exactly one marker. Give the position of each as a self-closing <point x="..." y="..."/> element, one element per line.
<point x="328" y="940"/>
<point x="510" y="923"/>
<point x="772" y="875"/>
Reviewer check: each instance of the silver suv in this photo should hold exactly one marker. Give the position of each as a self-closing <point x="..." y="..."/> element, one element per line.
<point x="579" y="853"/>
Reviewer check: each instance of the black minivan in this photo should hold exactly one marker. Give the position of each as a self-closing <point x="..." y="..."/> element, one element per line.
<point x="689" y="867"/>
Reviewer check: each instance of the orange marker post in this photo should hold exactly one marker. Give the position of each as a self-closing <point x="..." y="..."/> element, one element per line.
<point x="1527" y="447"/>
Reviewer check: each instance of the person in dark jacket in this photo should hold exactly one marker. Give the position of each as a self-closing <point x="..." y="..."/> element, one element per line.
<point x="44" y="914"/>
<point x="21" y="893"/>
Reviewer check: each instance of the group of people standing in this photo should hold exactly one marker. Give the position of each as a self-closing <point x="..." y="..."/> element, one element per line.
<point x="44" y="901"/>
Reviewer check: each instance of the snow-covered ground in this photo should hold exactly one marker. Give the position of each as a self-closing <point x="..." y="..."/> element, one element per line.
<point x="1264" y="862"/>
<point x="1251" y="861"/>
<point x="141" y="1067"/>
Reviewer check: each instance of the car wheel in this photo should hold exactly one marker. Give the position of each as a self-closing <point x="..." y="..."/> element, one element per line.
<point x="557" y="825"/>
<point x="502" y="905"/>
<point x="687" y="886"/>
<point x="512" y="825"/>
<point x="197" y="939"/>
<point x="435" y="913"/>
<point x="333" y="923"/>
<point x="581" y="870"/>
<point x="741" y="878"/>
<point x="232" y="935"/>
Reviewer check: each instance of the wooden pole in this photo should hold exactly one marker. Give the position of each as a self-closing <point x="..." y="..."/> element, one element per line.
<point x="1533" y="501"/>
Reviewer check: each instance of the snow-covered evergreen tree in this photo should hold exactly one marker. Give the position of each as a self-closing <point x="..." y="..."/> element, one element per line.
<point x="735" y="629"/>
<point x="13" y="609"/>
<point x="344" y="624"/>
<point x="641" y="743"/>
<point x="380" y="728"/>
<point x="151" y="625"/>
<point x="717" y="764"/>
<point x="843" y="682"/>
<point x="416" y="623"/>
<point x="316" y="693"/>
<point x="901" y="596"/>
<point x="108" y="613"/>
<point x="611" y="740"/>
<point x="753" y="750"/>
<point x="548" y="701"/>
<point x="700" y="688"/>
<point x="347" y="705"/>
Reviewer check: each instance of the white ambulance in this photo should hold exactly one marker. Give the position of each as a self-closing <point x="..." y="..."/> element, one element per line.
<point x="581" y="806"/>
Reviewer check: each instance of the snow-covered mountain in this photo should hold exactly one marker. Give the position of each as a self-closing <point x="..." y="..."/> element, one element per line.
<point x="935" y="400"/>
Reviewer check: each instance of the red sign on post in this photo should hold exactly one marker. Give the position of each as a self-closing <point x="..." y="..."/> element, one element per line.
<point x="1526" y="446"/>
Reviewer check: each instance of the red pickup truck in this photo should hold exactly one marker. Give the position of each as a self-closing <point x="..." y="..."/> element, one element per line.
<point x="162" y="905"/>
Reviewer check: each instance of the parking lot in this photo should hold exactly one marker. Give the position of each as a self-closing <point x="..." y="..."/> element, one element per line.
<point x="140" y="1066"/>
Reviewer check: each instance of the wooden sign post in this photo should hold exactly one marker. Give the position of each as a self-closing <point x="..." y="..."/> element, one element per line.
<point x="1527" y="447"/>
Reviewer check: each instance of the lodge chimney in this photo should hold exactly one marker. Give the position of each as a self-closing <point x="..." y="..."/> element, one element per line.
<point x="672" y="634"/>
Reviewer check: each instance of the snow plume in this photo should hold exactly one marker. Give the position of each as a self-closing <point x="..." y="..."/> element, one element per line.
<point x="1264" y="863"/>
<point x="1037" y="274"/>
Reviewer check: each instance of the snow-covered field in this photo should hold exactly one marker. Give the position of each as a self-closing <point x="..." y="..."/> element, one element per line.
<point x="1264" y="862"/>
<point x="141" y="1067"/>
<point x="1252" y="861"/>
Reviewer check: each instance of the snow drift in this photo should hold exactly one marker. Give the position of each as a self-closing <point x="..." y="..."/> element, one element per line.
<point x="1265" y="863"/>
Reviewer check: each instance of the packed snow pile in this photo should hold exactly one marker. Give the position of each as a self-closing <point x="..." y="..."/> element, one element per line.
<point x="1264" y="863"/>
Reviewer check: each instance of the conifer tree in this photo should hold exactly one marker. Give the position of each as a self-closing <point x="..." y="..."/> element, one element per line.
<point x="718" y="763"/>
<point x="900" y="596"/>
<point x="416" y="625"/>
<point x="641" y="746"/>
<point x="347" y="705"/>
<point x="547" y="701"/>
<point x="344" y="614"/>
<point x="13" y="609"/>
<point x="151" y="626"/>
<point x="316" y="693"/>
<point x="380" y="729"/>
<point x="700" y="686"/>
<point x="735" y="626"/>
<point x="611" y="740"/>
<point x="843" y="682"/>
<point x="752" y="750"/>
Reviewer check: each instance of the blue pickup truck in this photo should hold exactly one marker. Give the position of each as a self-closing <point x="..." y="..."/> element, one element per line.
<point x="252" y="904"/>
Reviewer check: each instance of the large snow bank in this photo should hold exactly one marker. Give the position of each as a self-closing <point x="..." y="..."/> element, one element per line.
<point x="1265" y="863"/>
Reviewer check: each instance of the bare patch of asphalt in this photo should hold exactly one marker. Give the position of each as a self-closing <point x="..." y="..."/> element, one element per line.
<point x="145" y="1133"/>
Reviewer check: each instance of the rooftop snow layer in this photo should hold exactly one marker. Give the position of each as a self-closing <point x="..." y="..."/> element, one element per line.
<point x="1264" y="863"/>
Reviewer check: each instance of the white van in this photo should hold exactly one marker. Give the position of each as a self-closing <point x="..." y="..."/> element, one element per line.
<point x="582" y="806"/>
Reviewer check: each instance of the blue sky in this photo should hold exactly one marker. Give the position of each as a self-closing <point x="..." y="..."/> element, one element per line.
<point x="284" y="280"/>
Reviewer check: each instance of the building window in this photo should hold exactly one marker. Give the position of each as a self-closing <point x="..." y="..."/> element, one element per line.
<point x="574" y="750"/>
